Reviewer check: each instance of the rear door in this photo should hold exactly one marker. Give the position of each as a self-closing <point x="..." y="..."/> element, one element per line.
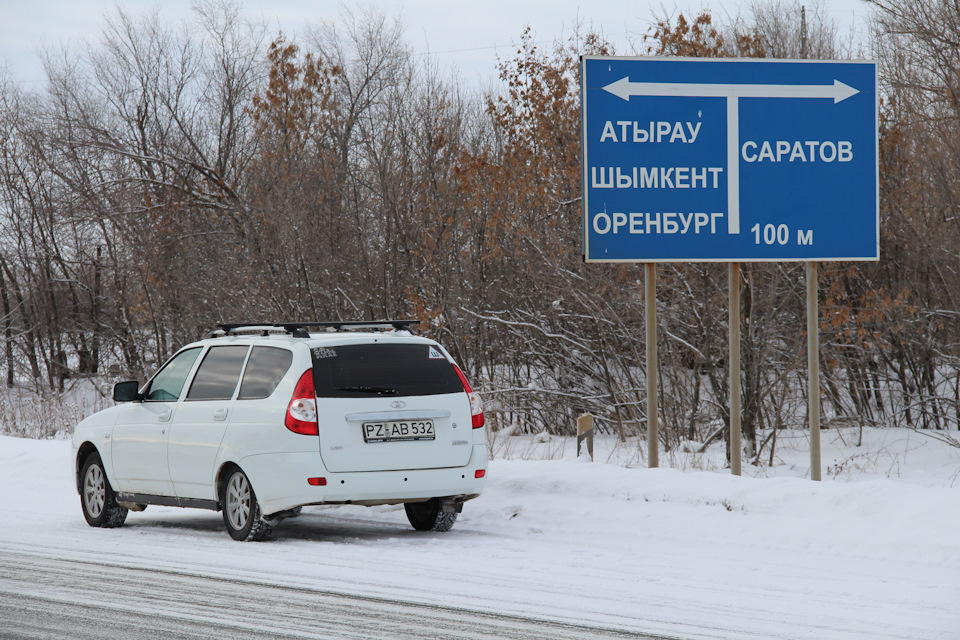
<point x="385" y="406"/>
<point x="201" y="420"/>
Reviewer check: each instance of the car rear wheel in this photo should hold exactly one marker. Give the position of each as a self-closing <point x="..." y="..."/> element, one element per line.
<point x="97" y="498"/>
<point x="241" y="512"/>
<point x="429" y="515"/>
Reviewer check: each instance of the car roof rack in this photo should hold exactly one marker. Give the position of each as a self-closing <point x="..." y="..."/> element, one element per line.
<point x="299" y="329"/>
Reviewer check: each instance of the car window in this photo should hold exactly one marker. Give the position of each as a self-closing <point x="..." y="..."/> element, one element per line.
<point x="218" y="374"/>
<point x="168" y="383"/>
<point x="265" y="369"/>
<point x="366" y="370"/>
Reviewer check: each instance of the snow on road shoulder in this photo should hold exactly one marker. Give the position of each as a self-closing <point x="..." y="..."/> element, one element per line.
<point x="687" y="554"/>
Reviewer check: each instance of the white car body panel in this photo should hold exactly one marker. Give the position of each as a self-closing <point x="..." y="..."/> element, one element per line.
<point x="343" y="448"/>
<point x="139" y="447"/>
<point x="285" y="487"/>
<point x="193" y="446"/>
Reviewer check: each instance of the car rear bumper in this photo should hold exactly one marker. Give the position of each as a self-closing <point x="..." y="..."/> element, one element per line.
<point x="280" y="481"/>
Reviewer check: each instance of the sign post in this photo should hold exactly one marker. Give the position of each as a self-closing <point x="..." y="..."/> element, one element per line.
<point x="813" y="370"/>
<point x="734" y="326"/>
<point x="650" y="304"/>
<point x="719" y="160"/>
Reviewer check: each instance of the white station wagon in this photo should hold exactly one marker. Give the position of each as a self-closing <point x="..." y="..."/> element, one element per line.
<point x="257" y="421"/>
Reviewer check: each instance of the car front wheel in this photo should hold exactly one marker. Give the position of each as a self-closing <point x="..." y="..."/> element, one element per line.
<point x="241" y="512"/>
<point x="97" y="498"/>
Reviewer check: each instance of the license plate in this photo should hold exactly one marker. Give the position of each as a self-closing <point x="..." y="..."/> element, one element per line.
<point x="396" y="431"/>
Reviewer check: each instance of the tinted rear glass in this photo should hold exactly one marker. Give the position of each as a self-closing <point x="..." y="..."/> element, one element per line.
<point x="368" y="370"/>
<point x="265" y="370"/>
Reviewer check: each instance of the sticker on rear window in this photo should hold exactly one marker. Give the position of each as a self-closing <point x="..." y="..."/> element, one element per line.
<point x="435" y="353"/>
<point x="319" y="353"/>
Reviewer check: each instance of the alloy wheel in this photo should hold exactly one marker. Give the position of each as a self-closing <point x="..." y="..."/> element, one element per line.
<point x="94" y="491"/>
<point x="238" y="501"/>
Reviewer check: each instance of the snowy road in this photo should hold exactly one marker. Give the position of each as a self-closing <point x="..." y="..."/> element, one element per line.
<point x="553" y="549"/>
<point x="44" y="596"/>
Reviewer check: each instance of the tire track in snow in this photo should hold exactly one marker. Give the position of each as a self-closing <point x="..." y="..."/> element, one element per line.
<point x="45" y="596"/>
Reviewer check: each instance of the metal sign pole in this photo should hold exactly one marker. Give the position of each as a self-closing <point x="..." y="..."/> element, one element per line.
<point x="734" y="304"/>
<point x="650" y="294"/>
<point x="813" y="366"/>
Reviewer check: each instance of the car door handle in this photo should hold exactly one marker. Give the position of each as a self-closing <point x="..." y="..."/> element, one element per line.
<point x="164" y="415"/>
<point x="220" y="414"/>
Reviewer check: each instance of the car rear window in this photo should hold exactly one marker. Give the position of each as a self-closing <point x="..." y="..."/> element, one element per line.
<point x="265" y="369"/>
<point x="367" y="370"/>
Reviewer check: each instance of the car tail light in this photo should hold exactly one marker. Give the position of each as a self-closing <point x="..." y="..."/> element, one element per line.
<point x="480" y="473"/>
<point x="302" y="410"/>
<point x="317" y="482"/>
<point x="476" y="404"/>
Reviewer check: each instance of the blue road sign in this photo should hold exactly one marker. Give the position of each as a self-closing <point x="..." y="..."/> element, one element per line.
<point x="729" y="160"/>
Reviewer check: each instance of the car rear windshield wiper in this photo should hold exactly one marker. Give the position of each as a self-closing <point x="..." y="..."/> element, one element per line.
<point x="383" y="391"/>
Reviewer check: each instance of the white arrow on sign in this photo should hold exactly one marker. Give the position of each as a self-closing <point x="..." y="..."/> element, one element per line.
<point x="624" y="89"/>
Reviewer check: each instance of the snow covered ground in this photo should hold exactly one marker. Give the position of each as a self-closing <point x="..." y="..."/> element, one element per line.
<point x="689" y="552"/>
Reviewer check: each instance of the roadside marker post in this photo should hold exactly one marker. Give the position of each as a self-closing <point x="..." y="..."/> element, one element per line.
<point x="585" y="432"/>
<point x="724" y="160"/>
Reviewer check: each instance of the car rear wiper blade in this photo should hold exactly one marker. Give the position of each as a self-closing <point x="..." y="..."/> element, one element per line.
<point x="383" y="391"/>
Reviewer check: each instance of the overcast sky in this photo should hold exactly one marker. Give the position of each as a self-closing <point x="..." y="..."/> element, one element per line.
<point x="467" y="36"/>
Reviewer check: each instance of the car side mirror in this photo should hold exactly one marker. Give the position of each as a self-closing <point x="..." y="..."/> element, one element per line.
<point x="128" y="391"/>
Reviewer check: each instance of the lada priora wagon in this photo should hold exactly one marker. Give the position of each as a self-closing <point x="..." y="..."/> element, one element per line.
<point x="258" y="421"/>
